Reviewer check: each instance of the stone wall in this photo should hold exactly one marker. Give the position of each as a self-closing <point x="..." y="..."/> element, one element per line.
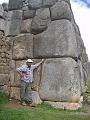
<point x="46" y="29"/>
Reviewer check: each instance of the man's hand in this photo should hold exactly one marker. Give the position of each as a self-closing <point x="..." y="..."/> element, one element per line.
<point x="42" y="60"/>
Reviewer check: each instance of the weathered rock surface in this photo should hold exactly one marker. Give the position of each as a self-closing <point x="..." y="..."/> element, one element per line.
<point x="60" y="79"/>
<point x="26" y="25"/>
<point x="65" y="105"/>
<point x="48" y="3"/>
<point x="1" y="11"/>
<point x="41" y="20"/>
<point x="27" y="14"/>
<point x="61" y="10"/>
<point x="23" y="46"/>
<point x="15" y="4"/>
<point x="34" y="4"/>
<point x="53" y="43"/>
<point x="13" y="23"/>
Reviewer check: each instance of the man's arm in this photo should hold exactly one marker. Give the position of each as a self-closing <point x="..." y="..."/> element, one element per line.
<point x="38" y="64"/>
<point x="19" y="71"/>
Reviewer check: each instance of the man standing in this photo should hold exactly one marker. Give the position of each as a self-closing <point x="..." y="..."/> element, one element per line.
<point x="26" y="74"/>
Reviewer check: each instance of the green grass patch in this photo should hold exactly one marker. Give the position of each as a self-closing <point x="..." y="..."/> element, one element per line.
<point x="3" y="98"/>
<point x="41" y="112"/>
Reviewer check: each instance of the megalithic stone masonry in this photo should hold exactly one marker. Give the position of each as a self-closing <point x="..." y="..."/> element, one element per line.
<point x="39" y="29"/>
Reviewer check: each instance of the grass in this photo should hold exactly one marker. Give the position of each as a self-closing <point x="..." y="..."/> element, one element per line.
<point x="41" y="112"/>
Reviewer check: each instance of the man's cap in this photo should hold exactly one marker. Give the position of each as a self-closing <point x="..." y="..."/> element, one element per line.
<point x="29" y="60"/>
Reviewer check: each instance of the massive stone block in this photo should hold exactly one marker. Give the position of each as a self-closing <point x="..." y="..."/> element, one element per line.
<point x="27" y="14"/>
<point x="14" y="14"/>
<point x="60" y="80"/>
<point x="26" y="25"/>
<point x="1" y="11"/>
<point x="40" y="21"/>
<point x="34" y="4"/>
<point x="58" y="40"/>
<point x="61" y="10"/>
<point x="13" y="23"/>
<point x="68" y="1"/>
<point x="15" y="4"/>
<point x="48" y="3"/>
<point x="12" y="28"/>
<point x="23" y="46"/>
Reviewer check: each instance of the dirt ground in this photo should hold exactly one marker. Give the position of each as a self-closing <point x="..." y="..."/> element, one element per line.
<point x="14" y="104"/>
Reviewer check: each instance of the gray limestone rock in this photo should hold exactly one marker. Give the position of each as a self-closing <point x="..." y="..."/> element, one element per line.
<point x="26" y="25"/>
<point x="84" y="57"/>
<point x="80" y="45"/>
<point x="13" y="23"/>
<point x="40" y="21"/>
<point x="60" y="80"/>
<point x="88" y="71"/>
<point x="27" y="14"/>
<point x="12" y="27"/>
<point x="5" y="15"/>
<point x="1" y="11"/>
<point x="48" y="3"/>
<point x="61" y="10"/>
<point x="76" y="28"/>
<point x="68" y="1"/>
<point x="23" y="46"/>
<point x="82" y="77"/>
<point x="58" y="40"/>
<point x="15" y="4"/>
<point x="14" y="14"/>
<point x="34" y="4"/>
